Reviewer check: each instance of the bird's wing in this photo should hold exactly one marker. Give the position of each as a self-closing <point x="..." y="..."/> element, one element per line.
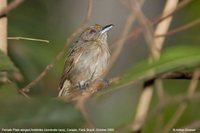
<point x="73" y="57"/>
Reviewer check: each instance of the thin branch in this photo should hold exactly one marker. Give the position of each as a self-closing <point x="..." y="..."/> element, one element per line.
<point x="180" y="5"/>
<point x="4" y="9"/>
<point x="82" y="99"/>
<point x="135" y="32"/>
<point x="145" y="98"/>
<point x="119" y="43"/>
<point x="29" y="39"/>
<point x="62" y="52"/>
<point x="14" y="4"/>
<point x="172" y="101"/>
<point x="163" y="26"/>
<point x="161" y="95"/>
<point x="24" y="94"/>
<point x="125" y="3"/>
<point x="148" y="34"/>
<point x="51" y="65"/>
<point x="182" y="107"/>
<point x="155" y="49"/>
<point x="3" y="28"/>
<point x="89" y="11"/>
<point x="6" y="80"/>
<point x="181" y="28"/>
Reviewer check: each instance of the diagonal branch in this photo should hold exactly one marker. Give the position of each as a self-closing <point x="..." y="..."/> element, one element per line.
<point x="155" y="49"/>
<point x="172" y="101"/>
<point x="117" y="46"/>
<point x="14" y="4"/>
<point x="182" y="107"/>
<point x="181" y="28"/>
<point x="61" y="53"/>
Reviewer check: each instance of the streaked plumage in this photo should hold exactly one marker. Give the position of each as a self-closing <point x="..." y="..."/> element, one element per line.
<point x="87" y="59"/>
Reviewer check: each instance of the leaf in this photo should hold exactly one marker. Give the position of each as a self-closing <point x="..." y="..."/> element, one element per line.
<point x="6" y="65"/>
<point x="38" y="113"/>
<point x="171" y="59"/>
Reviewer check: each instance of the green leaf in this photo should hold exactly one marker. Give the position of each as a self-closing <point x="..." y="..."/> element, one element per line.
<point x="6" y="65"/>
<point x="40" y="113"/>
<point x="171" y="59"/>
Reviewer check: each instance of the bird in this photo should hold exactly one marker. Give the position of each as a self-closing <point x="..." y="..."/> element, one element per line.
<point x="86" y="61"/>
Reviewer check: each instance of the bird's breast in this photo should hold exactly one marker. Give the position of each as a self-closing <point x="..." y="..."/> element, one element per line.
<point x="92" y="63"/>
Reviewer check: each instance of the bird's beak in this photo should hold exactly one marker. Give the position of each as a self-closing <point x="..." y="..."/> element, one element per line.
<point x="106" y="28"/>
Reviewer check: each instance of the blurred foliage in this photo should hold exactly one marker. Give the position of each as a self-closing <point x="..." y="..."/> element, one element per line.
<point x="40" y="113"/>
<point x="6" y="65"/>
<point x="176" y="58"/>
<point x="44" y="19"/>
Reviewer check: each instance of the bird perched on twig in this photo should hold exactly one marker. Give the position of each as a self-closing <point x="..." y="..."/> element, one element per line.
<point x="87" y="60"/>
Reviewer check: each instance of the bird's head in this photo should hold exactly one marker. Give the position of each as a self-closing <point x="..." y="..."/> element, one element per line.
<point x="96" y="33"/>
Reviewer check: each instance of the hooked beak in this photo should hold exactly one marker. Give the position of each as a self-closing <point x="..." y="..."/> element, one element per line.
<point x="106" y="28"/>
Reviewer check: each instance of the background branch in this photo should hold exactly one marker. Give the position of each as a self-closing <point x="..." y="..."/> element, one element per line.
<point x="27" y="38"/>
<point x="119" y="43"/>
<point x="181" y="28"/>
<point x="3" y="28"/>
<point x="14" y="4"/>
<point x="60" y="54"/>
<point x="155" y="48"/>
<point x="145" y="97"/>
<point x="172" y="101"/>
<point x="182" y="107"/>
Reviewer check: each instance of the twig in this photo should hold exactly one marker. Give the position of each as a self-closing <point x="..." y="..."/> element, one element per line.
<point x="125" y="3"/>
<point x="170" y="101"/>
<point x="180" y="5"/>
<point x="181" y="28"/>
<point x="89" y="11"/>
<point x="61" y="53"/>
<point x="162" y="27"/>
<point x="19" y="91"/>
<point x="155" y="48"/>
<point x="118" y="45"/>
<point x="147" y="92"/>
<point x="27" y="38"/>
<point x="145" y="97"/>
<point x="148" y="34"/>
<point x="14" y="4"/>
<point x="51" y="65"/>
<point x="179" y="112"/>
<point x="161" y="95"/>
<point x="82" y="99"/>
<point x="135" y="32"/>
<point x="3" y="28"/>
<point x="4" y="9"/>
<point x="24" y="94"/>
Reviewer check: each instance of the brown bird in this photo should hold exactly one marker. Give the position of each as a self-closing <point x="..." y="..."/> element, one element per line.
<point x="87" y="59"/>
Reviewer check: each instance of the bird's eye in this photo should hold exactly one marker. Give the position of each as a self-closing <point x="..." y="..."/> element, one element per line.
<point x="92" y="31"/>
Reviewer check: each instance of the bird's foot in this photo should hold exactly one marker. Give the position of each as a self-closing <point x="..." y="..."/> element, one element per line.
<point x="84" y="85"/>
<point x="105" y="82"/>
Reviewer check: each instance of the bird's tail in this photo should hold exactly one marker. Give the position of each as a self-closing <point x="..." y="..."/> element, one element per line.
<point x="64" y="89"/>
